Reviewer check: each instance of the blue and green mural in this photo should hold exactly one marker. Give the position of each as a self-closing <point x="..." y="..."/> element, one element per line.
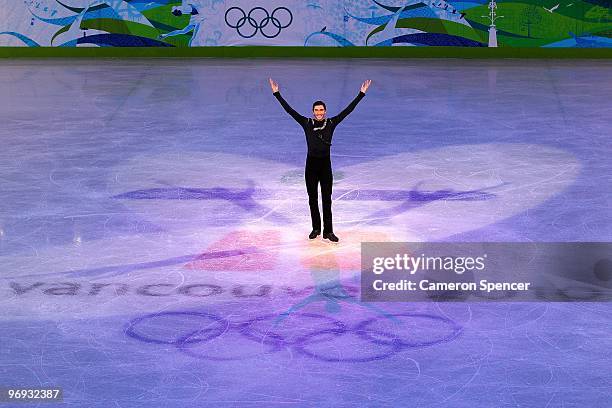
<point x="333" y="23"/>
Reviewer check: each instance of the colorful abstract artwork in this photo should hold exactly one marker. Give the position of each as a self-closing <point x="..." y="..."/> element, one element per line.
<point x="331" y="23"/>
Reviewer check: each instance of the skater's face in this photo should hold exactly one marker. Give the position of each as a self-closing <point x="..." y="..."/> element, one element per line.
<point x="318" y="111"/>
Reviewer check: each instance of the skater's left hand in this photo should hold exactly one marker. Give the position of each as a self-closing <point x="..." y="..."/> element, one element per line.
<point x="365" y="85"/>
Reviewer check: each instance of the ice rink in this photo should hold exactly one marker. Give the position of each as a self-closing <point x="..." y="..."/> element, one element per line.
<point x="154" y="222"/>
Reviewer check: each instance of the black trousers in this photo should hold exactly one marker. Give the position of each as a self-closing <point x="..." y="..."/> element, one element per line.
<point x="318" y="170"/>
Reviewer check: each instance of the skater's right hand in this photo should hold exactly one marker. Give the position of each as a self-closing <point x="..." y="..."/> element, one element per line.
<point x="273" y="85"/>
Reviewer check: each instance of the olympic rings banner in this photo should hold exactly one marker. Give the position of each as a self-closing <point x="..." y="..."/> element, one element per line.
<point x="331" y="23"/>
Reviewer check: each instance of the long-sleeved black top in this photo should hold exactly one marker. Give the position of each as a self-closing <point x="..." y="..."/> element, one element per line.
<point x="319" y="133"/>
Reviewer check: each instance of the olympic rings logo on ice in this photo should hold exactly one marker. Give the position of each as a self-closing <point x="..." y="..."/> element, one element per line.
<point x="193" y="333"/>
<point x="264" y="21"/>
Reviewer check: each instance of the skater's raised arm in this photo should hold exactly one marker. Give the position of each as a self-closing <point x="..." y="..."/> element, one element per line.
<point x="340" y="117"/>
<point x="299" y="118"/>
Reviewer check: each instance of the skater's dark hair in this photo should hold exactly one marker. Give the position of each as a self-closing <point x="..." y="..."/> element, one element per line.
<point x="316" y="103"/>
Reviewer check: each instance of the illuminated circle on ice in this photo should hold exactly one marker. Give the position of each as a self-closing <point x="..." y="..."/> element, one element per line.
<point x="417" y="196"/>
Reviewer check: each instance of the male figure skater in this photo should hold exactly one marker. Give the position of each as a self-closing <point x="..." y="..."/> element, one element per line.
<point x="319" y="131"/>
